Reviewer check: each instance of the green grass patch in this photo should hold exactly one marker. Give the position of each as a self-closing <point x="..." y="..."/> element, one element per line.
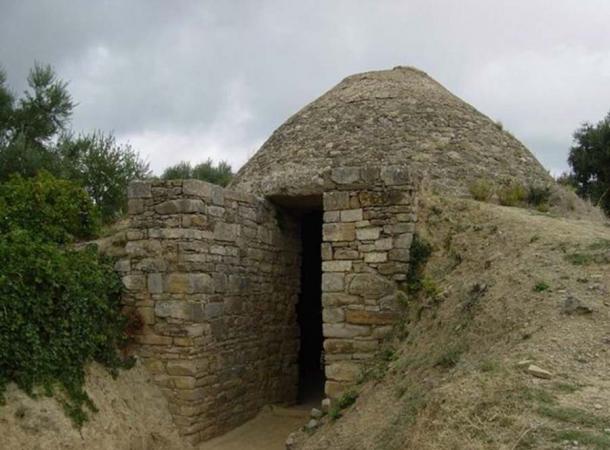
<point x="541" y="286"/>
<point x="450" y="358"/>
<point x="343" y="402"/>
<point x="596" y="440"/>
<point x="575" y="416"/>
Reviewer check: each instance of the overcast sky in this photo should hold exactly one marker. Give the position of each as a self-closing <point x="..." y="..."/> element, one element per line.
<point x="188" y="80"/>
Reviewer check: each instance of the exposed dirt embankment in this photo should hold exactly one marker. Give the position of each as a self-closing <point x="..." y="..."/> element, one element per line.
<point x="508" y="346"/>
<point x="132" y="415"/>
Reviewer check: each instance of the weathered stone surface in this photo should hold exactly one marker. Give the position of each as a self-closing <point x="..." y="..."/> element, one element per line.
<point x="180" y="310"/>
<point x="336" y="266"/>
<point x="183" y="205"/>
<point x="368" y="234"/>
<point x="362" y="317"/>
<point x="370" y="285"/>
<point x="340" y="330"/>
<point x="336" y="200"/>
<point x="188" y="283"/>
<point x="339" y="231"/>
<point x="375" y="257"/>
<point x="538" y="372"/>
<point x="139" y="189"/>
<point x="334" y="389"/>
<point x="346" y="253"/>
<point x="332" y="282"/>
<point x="155" y="283"/>
<point x="197" y="188"/>
<point x="345" y="175"/>
<point x="351" y="215"/>
<point x="333" y="315"/>
<point x="343" y="371"/>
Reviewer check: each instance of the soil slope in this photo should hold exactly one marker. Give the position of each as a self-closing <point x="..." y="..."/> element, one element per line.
<point x="508" y="291"/>
<point x="132" y="415"/>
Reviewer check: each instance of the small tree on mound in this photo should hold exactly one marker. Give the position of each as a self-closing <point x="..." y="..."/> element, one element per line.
<point x="590" y="162"/>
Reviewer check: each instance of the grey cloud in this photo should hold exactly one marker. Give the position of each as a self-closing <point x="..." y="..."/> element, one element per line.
<point x="191" y="79"/>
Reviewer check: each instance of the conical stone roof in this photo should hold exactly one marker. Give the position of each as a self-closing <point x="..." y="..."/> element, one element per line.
<point x="398" y="116"/>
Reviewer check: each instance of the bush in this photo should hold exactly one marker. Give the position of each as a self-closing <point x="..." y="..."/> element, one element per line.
<point x="512" y="194"/>
<point x="220" y="174"/>
<point x="60" y="310"/>
<point x="420" y="252"/>
<point x="55" y="210"/>
<point x="539" y="195"/>
<point x="481" y="190"/>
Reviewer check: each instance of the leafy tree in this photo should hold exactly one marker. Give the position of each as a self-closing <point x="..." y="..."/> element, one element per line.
<point x="35" y="136"/>
<point x="220" y="174"/>
<point x="590" y="162"/>
<point x="103" y="167"/>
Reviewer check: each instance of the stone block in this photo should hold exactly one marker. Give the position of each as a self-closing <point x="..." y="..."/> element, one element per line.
<point x="370" y="285"/>
<point x="343" y="371"/>
<point x="332" y="216"/>
<point x="336" y="200"/>
<point x="185" y="367"/>
<point x="370" y="198"/>
<point x="346" y="253"/>
<point x="226" y="232"/>
<point x="197" y="188"/>
<point x="184" y="205"/>
<point x="176" y="309"/>
<point x="362" y="317"/>
<point x="155" y="283"/>
<point x="134" y="282"/>
<point x="327" y="252"/>
<point x="384" y="244"/>
<point x="139" y="189"/>
<point x="375" y="257"/>
<point x="339" y="298"/>
<point x="135" y="206"/>
<point x="336" y="266"/>
<point x="368" y="234"/>
<point x="393" y="175"/>
<point x="188" y="283"/>
<point x="339" y="231"/>
<point x="332" y="315"/>
<point x="344" y="331"/>
<point x="332" y="282"/>
<point x="351" y="215"/>
<point x="334" y="389"/>
<point x="345" y="175"/>
<point x="214" y="310"/>
<point x="399" y="254"/>
<point x="403" y="240"/>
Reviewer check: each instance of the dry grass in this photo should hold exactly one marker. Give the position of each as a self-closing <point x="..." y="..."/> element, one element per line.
<point x="455" y="381"/>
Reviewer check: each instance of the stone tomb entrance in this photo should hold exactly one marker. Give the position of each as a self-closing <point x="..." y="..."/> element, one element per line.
<point x="238" y="295"/>
<point x="308" y="213"/>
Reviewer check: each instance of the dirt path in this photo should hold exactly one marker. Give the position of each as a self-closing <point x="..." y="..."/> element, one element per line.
<point x="267" y="431"/>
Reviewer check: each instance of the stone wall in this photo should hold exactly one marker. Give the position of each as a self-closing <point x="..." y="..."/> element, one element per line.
<point x="214" y="276"/>
<point x="369" y="221"/>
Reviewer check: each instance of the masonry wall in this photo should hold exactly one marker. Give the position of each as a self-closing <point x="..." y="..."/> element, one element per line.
<point x="369" y="222"/>
<point x="214" y="276"/>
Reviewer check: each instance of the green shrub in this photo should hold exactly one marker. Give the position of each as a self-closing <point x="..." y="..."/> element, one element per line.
<point x="538" y="194"/>
<point x="512" y="194"/>
<point x="55" y="210"/>
<point x="60" y="310"/>
<point x="420" y="252"/>
<point x="541" y="286"/>
<point x="481" y="190"/>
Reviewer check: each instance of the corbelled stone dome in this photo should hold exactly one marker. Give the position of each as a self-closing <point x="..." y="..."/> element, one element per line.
<point x="398" y="116"/>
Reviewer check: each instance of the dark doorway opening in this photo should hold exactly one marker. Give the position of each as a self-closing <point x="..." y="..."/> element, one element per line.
<point x="309" y="311"/>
